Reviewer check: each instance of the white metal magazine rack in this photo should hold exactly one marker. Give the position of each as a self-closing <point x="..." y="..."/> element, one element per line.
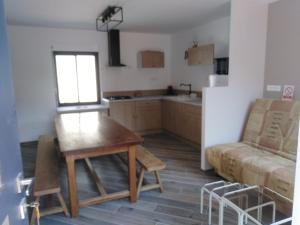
<point x="240" y="198"/>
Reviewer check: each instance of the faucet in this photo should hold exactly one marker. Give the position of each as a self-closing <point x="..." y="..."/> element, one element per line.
<point x="187" y="85"/>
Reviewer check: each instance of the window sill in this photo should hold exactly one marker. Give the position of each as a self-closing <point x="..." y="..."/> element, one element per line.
<point x="82" y="108"/>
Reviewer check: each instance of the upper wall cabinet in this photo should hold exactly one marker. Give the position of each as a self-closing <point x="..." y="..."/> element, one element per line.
<point x="201" y="55"/>
<point x="151" y="59"/>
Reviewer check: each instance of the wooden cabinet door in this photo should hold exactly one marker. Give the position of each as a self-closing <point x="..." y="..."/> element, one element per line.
<point x="195" y="136"/>
<point x="158" y="59"/>
<point x="148" y="115"/>
<point x="201" y="55"/>
<point x="152" y="59"/>
<point x="123" y="113"/>
<point x="188" y="122"/>
<point x="180" y="120"/>
<point x="193" y="123"/>
<point x="193" y="56"/>
<point x="169" y="116"/>
<point x="147" y="59"/>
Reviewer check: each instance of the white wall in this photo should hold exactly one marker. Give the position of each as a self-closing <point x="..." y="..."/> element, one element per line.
<point x="282" y="60"/>
<point x="216" y="32"/>
<point x="132" y="77"/>
<point x="282" y="64"/>
<point x="33" y="72"/>
<point x="225" y="109"/>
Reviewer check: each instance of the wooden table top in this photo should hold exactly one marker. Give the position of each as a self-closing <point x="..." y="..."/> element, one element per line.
<point x="80" y="132"/>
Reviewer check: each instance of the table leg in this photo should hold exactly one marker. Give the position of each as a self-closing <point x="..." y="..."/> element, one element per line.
<point x="72" y="186"/>
<point x="132" y="173"/>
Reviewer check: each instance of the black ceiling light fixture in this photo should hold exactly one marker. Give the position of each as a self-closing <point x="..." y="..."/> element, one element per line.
<point x="109" y="19"/>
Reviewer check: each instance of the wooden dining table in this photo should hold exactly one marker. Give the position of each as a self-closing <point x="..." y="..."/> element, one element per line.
<point x="85" y="135"/>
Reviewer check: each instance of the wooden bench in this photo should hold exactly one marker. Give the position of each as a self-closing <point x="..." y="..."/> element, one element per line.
<point x="47" y="177"/>
<point x="149" y="163"/>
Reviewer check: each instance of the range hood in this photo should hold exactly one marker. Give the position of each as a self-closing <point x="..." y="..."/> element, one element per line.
<point x="114" y="49"/>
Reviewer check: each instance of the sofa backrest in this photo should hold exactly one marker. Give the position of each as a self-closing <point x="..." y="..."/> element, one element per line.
<point x="273" y="126"/>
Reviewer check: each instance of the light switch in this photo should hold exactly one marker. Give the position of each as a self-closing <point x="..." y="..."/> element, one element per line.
<point x="276" y="88"/>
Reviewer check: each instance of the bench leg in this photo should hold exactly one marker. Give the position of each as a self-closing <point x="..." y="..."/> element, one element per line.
<point x="141" y="178"/>
<point x="33" y="215"/>
<point x="63" y="204"/>
<point x="159" y="181"/>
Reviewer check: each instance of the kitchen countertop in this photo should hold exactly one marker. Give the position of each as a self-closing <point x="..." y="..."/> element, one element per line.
<point x="196" y="101"/>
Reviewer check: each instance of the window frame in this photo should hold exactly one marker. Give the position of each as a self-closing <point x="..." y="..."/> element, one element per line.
<point x="75" y="53"/>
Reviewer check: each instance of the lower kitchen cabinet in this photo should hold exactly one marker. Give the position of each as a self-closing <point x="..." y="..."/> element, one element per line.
<point x="191" y="126"/>
<point x="169" y="115"/>
<point x="123" y="113"/>
<point x="148" y="115"/>
<point x="140" y="116"/>
<point x="183" y="120"/>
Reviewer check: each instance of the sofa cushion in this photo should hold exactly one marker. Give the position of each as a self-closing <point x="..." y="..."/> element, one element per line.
<point x="273" y="126"/>
<point x="272" y="171"/>
<point x="228" y="159"/>
<point x="246" y="164"/>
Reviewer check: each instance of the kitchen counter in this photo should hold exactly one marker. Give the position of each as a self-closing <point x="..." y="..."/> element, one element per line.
<point x="179" y="115"/>
<point x="196" y="101"/>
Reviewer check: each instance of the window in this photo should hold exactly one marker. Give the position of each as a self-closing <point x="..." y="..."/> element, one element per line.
<point x="77" y="78"/>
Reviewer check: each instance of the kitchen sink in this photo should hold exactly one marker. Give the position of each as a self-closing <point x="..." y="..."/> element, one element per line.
<point x="194" y="100"/>
<point x="185" y="98"/>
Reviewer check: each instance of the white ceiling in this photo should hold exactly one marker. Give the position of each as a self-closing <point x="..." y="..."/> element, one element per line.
<point x="161" y="16"/>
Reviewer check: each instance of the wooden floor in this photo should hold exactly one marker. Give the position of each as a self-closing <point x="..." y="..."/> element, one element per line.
<point x="178" y="205"/>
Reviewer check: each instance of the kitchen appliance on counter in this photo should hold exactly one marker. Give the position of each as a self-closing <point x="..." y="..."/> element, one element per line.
<point x="216" y="80"/>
